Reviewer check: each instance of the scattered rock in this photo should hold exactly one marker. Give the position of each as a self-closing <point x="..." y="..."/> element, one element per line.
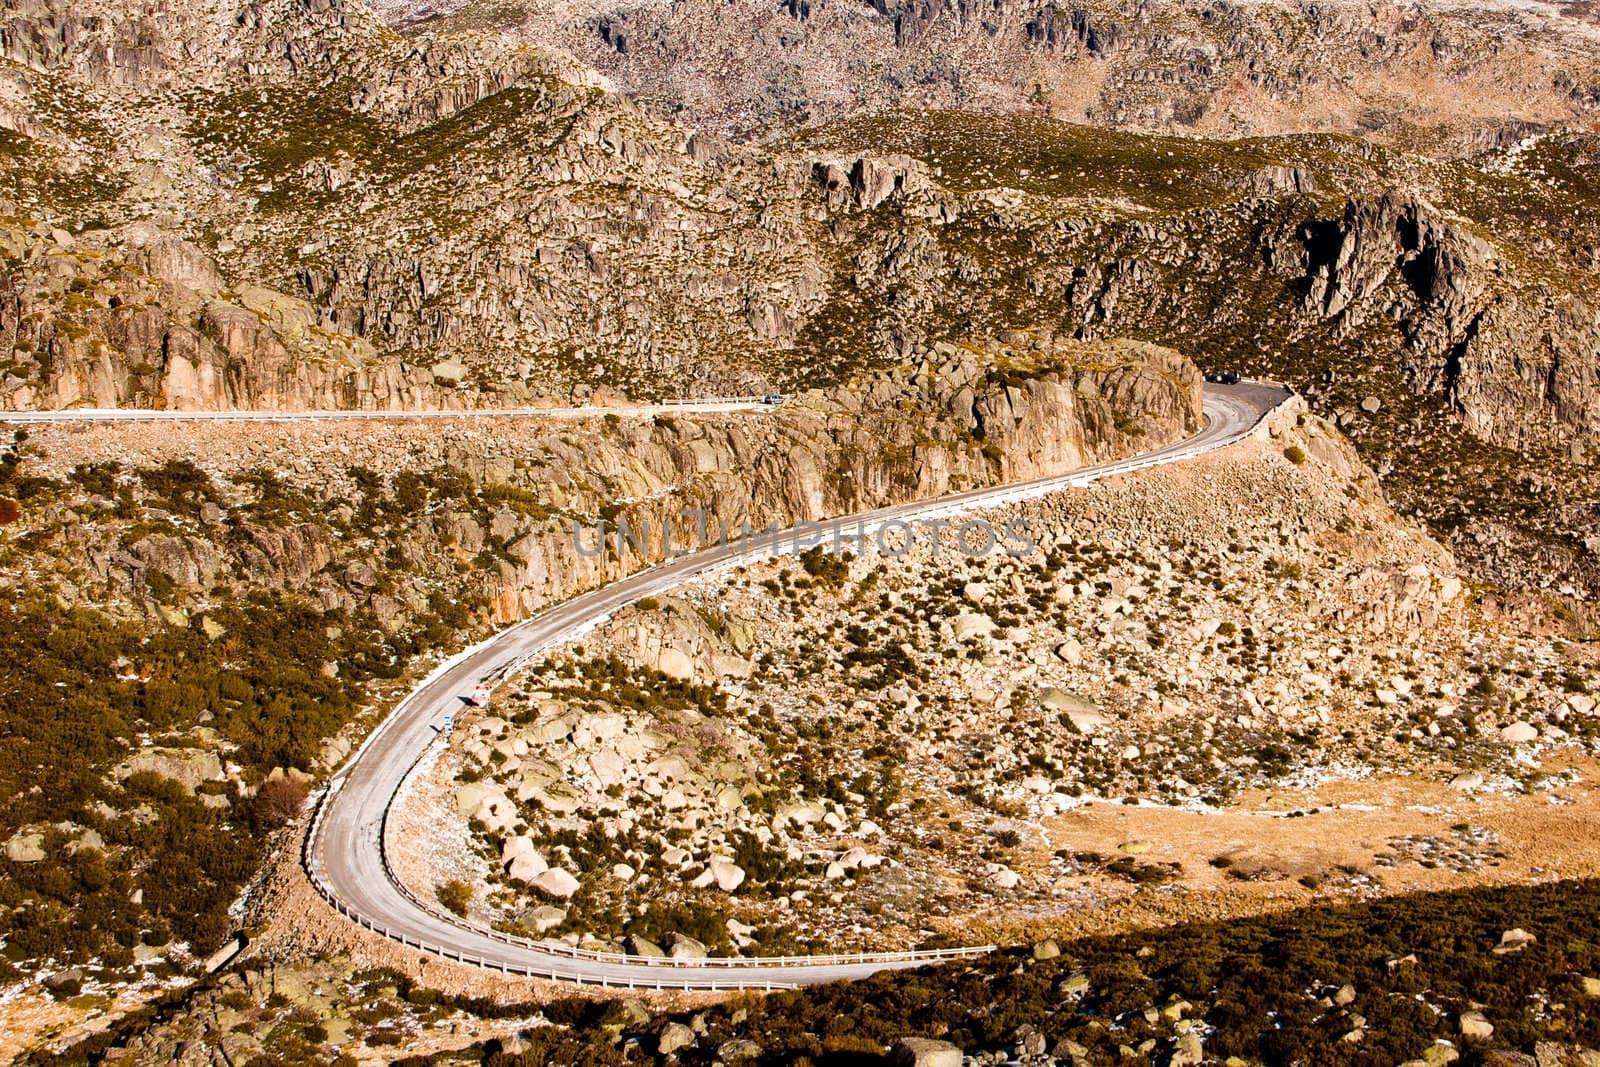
<point x="545" y="917"/>
<point x="188" y="767"/>
<point x="68" y="981"/>
<point x="727" y="874"/>
<point x="740" y="1048"/>
<point x="1474" y="1026"/>
<point x="1519" y="733"/>
<point x="1514" y="940"/>
<point x="683" y="947"/>
<point x="1188" y="1052"/>
<point x="673" y="1037"/>
<point x="639" y="946"/>
<point x="25" y="848"/>
<point x="522" y="860"/>
<point x="1074" y="985"/>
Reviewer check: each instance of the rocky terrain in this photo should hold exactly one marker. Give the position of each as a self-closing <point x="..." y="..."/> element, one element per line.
<point x="1303" y="705"/>
<point x="1451" y="75"/>
<point x="1350" y="660"/>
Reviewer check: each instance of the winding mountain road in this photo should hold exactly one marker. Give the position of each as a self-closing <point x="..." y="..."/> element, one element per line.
<point x="345" y="851"/>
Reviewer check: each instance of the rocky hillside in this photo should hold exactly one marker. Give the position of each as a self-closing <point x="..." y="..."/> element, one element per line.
<point x="1446" y="75"/>
<point x="271" y="206"/>
<point x="1456" y="344"/>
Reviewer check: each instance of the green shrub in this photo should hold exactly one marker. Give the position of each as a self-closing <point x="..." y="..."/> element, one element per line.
<point x="456" y="896"/>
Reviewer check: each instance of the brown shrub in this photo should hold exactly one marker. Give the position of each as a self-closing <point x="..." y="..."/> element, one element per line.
<point x="278" y="801"/>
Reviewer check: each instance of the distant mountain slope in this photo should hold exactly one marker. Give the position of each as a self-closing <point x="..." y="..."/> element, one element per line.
<point x="1442" y="75"/>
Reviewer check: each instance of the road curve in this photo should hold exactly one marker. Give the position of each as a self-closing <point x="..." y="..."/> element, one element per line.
<point x="346" y="847"/>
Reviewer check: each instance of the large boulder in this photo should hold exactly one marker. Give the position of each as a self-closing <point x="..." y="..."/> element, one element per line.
<point x="683" y="947"/>
<point x="469" y="796"/>
<point x="25" y="848"/>
<point x="799" y="813"/>
<point x="1519" y="733"/>
<point x="674" y="1036"/>
<point x="740" y="1048"/>
<point x="676" y="663"/>
<point x="449" y="371"/>
<point x="640" y="946"/>
<point x="522" y="860"/>
<point x="556" y="883"/>
<point x="608" y="767"/>
<point x="1085" y="715"/>
<point x="545" y="917"/>
<point x="1475" y="1027"/>
<point x="924" y="1052"/>
<point x="971" y="624"/>
<point x="186" y="766"/>
<point x="179" y="262"/>
<point x="727" y="874"/>
<point x="496" y="811"/>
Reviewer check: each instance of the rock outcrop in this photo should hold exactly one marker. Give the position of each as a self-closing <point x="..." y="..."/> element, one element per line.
<point x="1512" y="370"/>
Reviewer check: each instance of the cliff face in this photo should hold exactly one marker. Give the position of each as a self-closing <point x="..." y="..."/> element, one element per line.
<point x="1518" y="366"/>
<point x="159" y="45"/>
<point x="148" y="325"/>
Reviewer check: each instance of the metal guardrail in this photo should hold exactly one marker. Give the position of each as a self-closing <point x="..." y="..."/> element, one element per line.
<point x="311" y="858"/>
<point x="691" y="401"/>
<point x="566" y="411"/>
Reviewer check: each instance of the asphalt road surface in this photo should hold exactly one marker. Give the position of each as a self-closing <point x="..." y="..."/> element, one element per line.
<point x="345" y="850"/>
